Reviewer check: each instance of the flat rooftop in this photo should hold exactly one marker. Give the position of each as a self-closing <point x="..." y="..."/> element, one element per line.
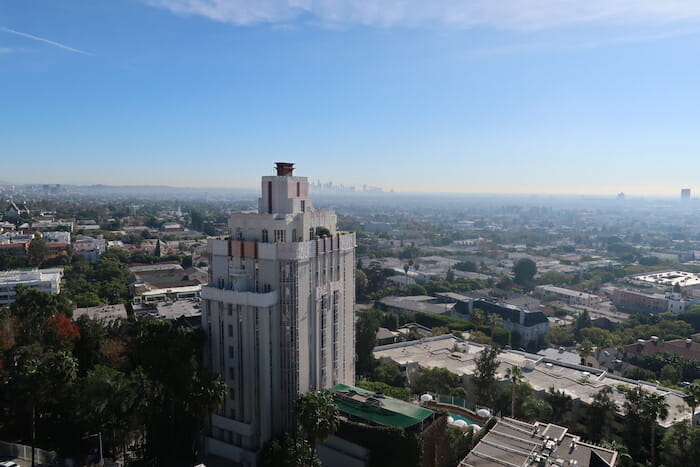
<point x="670" y="278"/>
<point x="377" y="408"/>
<point x="105" y="313"/>
<point x="514" y="443"/>
<point x="539" y="371"/>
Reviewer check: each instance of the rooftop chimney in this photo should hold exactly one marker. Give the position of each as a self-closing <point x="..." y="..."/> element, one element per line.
<point x="284" y="169"/>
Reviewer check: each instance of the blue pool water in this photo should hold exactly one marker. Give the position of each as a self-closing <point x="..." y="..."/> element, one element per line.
<point x="459" y="417"/>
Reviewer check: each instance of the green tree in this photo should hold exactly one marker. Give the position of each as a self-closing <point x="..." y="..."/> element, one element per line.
<point x="389" y="373"/>
<point x="561" y="404"/>
<point x="514" y="375"/>
<point x="287" y="451"/>
<point x="37" y="252"/>
<point x="655" y="407"/>
<point x="317" y="416"/>
<point x="484" y="377"/>
<point x="692" y="398"/>
<point x="386" y="389"/>
<point x="560" y="336"/>
<point x="670" y="374"/>
<point x="602" y="410"/>
<point x="477" y="318"/>
<point x="437" y="380"/>
<point x="361" y="284"/>
<point x="681" y="445"/>
<point x="366" y="340"/>
<point x="524" y="271"/>
<point x="493" y="321"/>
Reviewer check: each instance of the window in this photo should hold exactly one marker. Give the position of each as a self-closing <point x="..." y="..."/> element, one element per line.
<point x="231" y="373"/>
<point x="294" y="235"/>
<point x="280" y="236"/>
<point x="311" y="233"/>
<point x="265" y="236"/>
<point x="230" y="351"/>
<point x="230" y="330"/>
<point x="231" y="393"/>
<point x="230" y="309"/>
<point x="303" y="205"/>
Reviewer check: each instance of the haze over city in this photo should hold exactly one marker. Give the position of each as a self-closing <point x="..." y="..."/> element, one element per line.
<point x="470" y="96"/>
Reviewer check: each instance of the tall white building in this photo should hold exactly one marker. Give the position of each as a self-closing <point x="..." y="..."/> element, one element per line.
<point x="278" y="313"/>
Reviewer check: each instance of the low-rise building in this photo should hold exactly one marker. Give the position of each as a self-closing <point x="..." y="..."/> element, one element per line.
<point x="580" y="382"/>
<point x="642" y="302"/>
<point x="415" y="303"/>
<point x="571" y="297"/>
<point x="106" y="313"/>
<point x="516" y="443"/>
<point x="45" y="280"/>
<point x="90" y="248"/>
<point x="684" y="348"/>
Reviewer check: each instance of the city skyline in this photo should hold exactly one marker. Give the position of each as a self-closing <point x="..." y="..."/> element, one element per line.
<point x="525" y="97"/>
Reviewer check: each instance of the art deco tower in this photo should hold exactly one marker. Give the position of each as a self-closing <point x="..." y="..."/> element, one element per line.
<point x="278" y="314"/>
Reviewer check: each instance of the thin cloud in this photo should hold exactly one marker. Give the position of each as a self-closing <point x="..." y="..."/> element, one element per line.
<point x="47" y="41"/>
<point x="584" y="45"/>
<point x="502" y="14"/>
<point x="5" y="50"/>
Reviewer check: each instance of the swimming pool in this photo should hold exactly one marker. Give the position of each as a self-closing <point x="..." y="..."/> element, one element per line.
<point x="459" y="417"/>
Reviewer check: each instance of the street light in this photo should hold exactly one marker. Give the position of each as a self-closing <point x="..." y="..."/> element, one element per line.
<point x="99" y="435"/>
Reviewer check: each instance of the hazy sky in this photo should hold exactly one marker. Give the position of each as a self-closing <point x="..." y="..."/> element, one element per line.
<point x="543" y="96"/>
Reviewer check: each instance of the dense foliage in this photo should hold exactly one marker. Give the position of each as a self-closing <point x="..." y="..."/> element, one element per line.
<point x="139" y="383"/>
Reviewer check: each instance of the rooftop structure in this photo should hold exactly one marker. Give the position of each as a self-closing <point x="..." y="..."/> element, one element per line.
<point x="684" y="348"/>
<point x="572" y="297"/>
<point x="670" y="278"/>
<point x="643" y="302"/>
<point x="105" y="313"/>
<point x="45" y="280"/>
<point x="415" y="303"/>
<point x="541" y="372"/>
<point x="377" y="409"/>
<point x="515" y="443"/>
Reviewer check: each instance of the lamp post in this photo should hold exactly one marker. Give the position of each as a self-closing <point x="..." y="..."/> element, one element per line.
<point x="99" y="435"/>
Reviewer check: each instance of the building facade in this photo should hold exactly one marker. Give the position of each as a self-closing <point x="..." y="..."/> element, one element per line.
<point x="45" y="280"/>
<point x="279" y="314"/>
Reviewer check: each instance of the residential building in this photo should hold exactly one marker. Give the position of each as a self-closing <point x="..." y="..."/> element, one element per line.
<point x="56" y="237"/>
<point x="89" y="248"/>
<point x="16" y="210"/>
<point x="580" y="382"/>
<point x="46" y="280"/>
<point x="278" y="313"/>
<point x="530" y="325"/>
<point x="516" y="443"/>
<point x="684" y="348"/>
<point x="571" y="297"/>
<point x="642" y="302"/>
<point x="167" y="280"/>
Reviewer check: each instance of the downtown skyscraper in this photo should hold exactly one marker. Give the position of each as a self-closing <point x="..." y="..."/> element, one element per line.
<point x="278" y="313"/>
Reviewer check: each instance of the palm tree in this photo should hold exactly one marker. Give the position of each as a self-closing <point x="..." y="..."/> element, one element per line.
<point x="515" y="375"/>
<point x="692" y="398"/>
<point x="477" y="318"/>
<point x="654" y="407"/>
<point x="318" y="416"/>
<point x="493" y="321"/>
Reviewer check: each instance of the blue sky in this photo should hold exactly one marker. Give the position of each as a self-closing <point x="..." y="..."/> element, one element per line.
<point x="514" y="96"/>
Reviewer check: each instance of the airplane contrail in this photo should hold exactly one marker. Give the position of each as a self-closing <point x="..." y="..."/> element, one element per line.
<point x="41" y="39"/>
